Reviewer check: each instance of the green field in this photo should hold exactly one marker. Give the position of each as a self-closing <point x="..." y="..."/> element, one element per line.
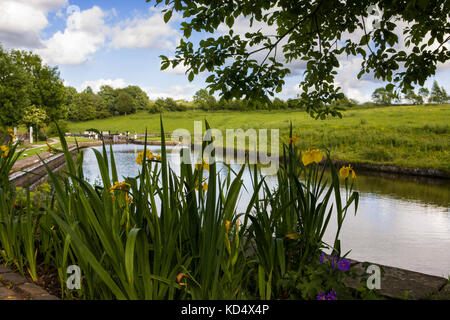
<point x="412" y="136"/>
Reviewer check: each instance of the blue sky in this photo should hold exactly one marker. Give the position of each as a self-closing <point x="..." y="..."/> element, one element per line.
<point x="118" y="43"/>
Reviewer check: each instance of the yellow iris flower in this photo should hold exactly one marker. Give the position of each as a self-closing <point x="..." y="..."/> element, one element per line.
<point x="5" y="150"/>
<point x="293" y="140"/>
<point x="11" y="133"/>
<point x="203" y="164"/>
<point x="310" y="156"/>
<point x="344" y="172"/>
<point x="204" y="186"/>
<point x="227" y="225"/>
<point x="148" y="154"/>
<point x="120" y="186"/>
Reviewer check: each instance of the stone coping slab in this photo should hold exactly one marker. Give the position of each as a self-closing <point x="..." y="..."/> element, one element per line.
<point x="396" y="282"/>
<point x="15" y="287"/>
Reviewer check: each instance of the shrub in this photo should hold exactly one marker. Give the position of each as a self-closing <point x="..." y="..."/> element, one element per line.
<point x="51" y="130"/>
<point x="154" y="108"/>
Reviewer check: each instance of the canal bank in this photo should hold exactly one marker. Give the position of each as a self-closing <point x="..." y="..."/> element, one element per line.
<point x="419" y="285"/>
<point x="361" y="166"/>
<point x="395" y="283"/>
<point x="32" y="171"/>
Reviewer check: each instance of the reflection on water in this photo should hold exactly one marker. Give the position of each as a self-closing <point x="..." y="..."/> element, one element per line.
<point x="402" y="222"/>
<point x="409" y="188"/>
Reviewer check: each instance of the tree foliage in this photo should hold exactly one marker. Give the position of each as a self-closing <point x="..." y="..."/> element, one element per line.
<point x="384" y="97"/>
<point x="14" y="87"/>
<point x="108" y="102"/>
<point x="24" y="81"/>
<point x="141" y="100"/>
<point x="317" y="32"/>
<point x="167" y="104"/>
<point x="47" y="89"/>
<point x="438" y="94"/>
<point x="109" y="96"/>
<point x="412" y="97"/>
<point x="35" y="117"/>
<point x="204" y="99"/>
<point x="125" y="102"/>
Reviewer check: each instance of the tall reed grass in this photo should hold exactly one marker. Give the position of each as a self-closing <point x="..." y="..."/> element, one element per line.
<point x="160" y="235"/>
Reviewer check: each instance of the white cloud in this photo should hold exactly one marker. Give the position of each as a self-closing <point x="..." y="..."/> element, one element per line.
<point x="347" y="79"/>
<point x="46" y="5"/>
<point x="176" y="92"/>
<point x="150" y="32"/>
<point x="22" y="21"/>
<point x="359" y="95"/>
<point x="21" y="24"/>
<point x="242" y="26"/>
<point x="84" y="35"/>
<point x="96" y="84"/>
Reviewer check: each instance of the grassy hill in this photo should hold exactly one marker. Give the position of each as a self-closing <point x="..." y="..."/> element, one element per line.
<point x="413" y="136"/>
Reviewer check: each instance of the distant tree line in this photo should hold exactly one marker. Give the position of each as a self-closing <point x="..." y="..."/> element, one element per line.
<point x="33" y="94"/>
<point x="437" y="95"/>
<point x="108" y="102"/>
<point x="203" y="100"/>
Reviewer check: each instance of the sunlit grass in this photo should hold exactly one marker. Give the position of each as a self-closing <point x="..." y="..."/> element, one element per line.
<point x="413" y="136"/>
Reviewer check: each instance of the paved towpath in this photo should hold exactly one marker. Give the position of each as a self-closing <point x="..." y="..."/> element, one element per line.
<point x="15" y="287"/>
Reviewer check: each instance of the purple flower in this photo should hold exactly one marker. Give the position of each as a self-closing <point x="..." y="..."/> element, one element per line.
<point x="333" y="260"/>
<point x="332" y="295"/>
<point x="322" y="258"/>
<point x="321" y="296"/>
<point x="343" y="265"/>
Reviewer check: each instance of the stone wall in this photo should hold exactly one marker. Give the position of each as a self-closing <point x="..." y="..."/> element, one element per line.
<point x="395" y="284"/>
<point x="15" y="287"/>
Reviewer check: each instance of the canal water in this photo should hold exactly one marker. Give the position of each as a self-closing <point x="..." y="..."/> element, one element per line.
<point x="401" y="221"/>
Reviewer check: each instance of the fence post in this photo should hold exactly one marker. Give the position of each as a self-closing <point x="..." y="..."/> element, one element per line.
<point x="31" y="134"/>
